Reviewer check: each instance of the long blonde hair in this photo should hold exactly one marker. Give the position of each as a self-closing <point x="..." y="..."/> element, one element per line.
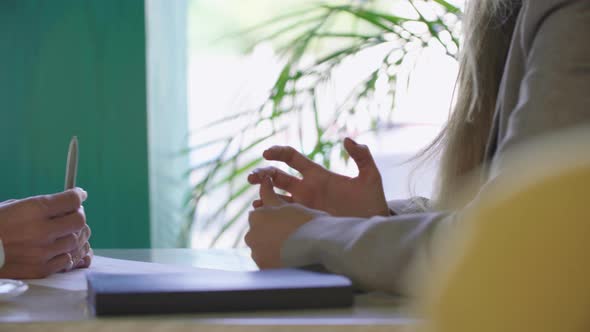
<point x="487" y="28"/>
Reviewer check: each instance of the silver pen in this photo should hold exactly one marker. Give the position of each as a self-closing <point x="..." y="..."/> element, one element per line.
<point x="72" y="164"/>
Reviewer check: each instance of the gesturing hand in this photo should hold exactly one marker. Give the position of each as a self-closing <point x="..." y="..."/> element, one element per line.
<point x="320" y="189"/>
<point x="272" y="224"/>
<point x="44" y="234"/>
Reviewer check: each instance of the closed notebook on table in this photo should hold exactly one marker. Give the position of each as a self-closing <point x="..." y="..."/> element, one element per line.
<point x="216" y="291"/>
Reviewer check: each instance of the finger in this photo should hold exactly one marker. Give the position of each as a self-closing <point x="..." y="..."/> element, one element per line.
<point x="291" y="157"/>
<point x="68" y="224"/>
<point x="59" y="263"/>
<point x="79" y="253"/>
<point x="83" y="235"/>
<point x="8" y="202"/>
<point x="75" y="244"/>
<point x="84" y="262"/>
<point x="258" y="203"/>
<point x="280" y="179"/>
<point x="62" y="203"/>
<point x="268" y="195"/>
<point x="87" y="260"/>
<point x="64" y="244"/>
<point x="361" y="156"/>
<point x="88" y="232"/>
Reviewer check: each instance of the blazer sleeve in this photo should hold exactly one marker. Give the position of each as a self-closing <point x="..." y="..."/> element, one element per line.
<point x="375" y="253"/>
<point x="385" y="252"/>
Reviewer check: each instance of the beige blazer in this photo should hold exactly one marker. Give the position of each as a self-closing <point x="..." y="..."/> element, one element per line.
<point x="545" y="88"/>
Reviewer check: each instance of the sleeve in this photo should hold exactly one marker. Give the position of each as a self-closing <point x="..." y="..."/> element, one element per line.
<point x="375" y="253"/>
<point x="384" y="252"/>
<point x="2" y="258"/>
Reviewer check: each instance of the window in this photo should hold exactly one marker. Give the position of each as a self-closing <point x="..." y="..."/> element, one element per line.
<point x="225" y="79"/>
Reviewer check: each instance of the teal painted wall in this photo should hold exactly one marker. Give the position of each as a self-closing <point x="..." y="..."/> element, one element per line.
<point x="77" y="67"/>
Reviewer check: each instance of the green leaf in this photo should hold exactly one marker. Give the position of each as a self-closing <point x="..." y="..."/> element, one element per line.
<point x="201" y="188"/>
<point x="232" y="220"/>
<point x="243" y="189"/>
<point x="228" y="118"/>
<point x="267" y="24"/>
<point x="448" y="6"/>
<point x="338" y="54"/>
<point x="205" y="144"/>
<point x="234" y="174"/>
<point x="241" y="234"/>
<point x="375" y="18"/>
<point x="289" y="28"/>
<point x="281" y="83"/>
<point x="346" y="35"/>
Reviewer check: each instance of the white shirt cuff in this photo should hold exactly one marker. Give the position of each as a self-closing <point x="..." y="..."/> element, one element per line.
<point x="1" y="254"/>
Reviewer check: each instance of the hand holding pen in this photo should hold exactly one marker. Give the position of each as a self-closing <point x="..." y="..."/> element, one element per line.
<point x="44" y="234"/>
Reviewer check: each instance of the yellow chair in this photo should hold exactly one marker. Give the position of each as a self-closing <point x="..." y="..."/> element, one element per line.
<point x="521" y="261"/>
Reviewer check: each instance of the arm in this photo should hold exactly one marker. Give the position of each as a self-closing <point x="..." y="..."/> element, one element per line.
<point x="554" y="94"/>
<point x="375" y="253"/>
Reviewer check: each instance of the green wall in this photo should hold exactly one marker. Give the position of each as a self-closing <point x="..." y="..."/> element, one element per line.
<point x="77" y="67"/>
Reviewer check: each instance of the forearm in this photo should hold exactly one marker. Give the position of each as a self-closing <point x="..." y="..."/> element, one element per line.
<point x="377" y="254"/>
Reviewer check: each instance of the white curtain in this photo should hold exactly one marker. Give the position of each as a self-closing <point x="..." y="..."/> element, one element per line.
<point x="166" y="31"/>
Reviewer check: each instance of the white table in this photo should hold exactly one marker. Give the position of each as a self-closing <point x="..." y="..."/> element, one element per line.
<point x="49" y="309"/>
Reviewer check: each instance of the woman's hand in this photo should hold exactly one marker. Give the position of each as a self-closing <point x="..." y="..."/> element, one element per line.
<point x="320" y="189"/>
<point x="272" y="224"/>
<point x="44" y="234"/>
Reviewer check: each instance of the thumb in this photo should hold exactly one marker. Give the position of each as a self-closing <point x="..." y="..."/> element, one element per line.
<point x="8" y="202"/>
<point x="267" y="193"/>
<point x="361" y="156"/>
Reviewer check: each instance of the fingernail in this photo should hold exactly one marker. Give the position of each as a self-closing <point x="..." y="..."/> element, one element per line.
<point x="70" y="262"/>
<point x="84" y="193"/>
<point x="353" y="141"/>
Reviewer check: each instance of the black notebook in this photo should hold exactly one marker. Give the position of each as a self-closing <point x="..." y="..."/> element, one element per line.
<point x="216" y="291"/>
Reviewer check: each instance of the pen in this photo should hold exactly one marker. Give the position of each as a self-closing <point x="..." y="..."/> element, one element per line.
<point x="72" y="164"/>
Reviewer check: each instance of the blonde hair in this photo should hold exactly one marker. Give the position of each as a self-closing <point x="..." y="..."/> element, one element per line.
<point x="487" y="28"/>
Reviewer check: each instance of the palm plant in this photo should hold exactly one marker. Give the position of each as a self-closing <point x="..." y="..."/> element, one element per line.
<point x="313" y="45"/>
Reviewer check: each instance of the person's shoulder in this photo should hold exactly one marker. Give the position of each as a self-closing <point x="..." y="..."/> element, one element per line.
<point x="540" y="9"/>
<point x="556" y="14"/>
<point x="540" y="5"/>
